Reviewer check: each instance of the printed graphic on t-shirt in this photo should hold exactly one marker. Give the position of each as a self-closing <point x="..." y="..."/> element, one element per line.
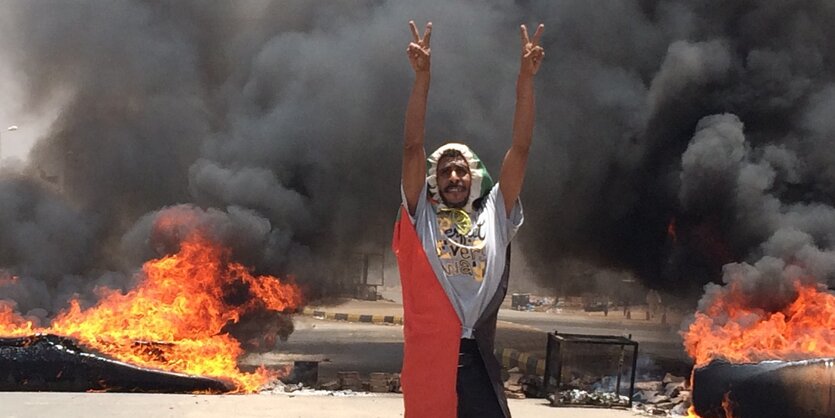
<point x="460" y="245"/>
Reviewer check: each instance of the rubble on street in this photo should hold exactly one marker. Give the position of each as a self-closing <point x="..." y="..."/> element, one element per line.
<point x="577" y="397"/>
<point x="347" y="383"/>
<point x="667" y="397"/>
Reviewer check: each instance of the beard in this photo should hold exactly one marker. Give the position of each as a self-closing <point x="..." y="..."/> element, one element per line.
<point x="452" y="204"/>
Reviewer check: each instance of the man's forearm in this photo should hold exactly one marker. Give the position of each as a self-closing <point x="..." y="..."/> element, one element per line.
<point x="513" y="167"/>
<point x="416" y="111"/>
<point x="414" y="155"/>
<point x="523" y="120"/>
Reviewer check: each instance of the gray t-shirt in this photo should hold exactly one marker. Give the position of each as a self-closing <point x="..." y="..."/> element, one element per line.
<point x="468" y="263"/>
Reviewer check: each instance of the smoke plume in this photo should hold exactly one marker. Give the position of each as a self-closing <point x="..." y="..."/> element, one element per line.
<point x="280" y="125"/>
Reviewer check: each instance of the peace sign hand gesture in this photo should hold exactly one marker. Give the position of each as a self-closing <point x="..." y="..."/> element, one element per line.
<point x="418" y="50"/>
<point x="532" y="53"/>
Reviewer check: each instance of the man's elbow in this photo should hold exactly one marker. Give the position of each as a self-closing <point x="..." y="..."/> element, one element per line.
<point x="520" y="148"/>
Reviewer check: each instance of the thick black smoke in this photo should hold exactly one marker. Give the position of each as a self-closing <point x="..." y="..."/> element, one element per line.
<point x="282" y="122"/>
<point x="686" y="136"/>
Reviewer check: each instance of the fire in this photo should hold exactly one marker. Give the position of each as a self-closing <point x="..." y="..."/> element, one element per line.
<point x="12" y="324"/>
<point x="731" y="331"/>
<point x="727" y="408"/>
<point x="173" y="319"/>
<point x="691" y="412"/>
<point x="727" y="405"/>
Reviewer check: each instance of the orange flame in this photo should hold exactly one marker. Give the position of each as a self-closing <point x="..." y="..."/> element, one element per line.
<point x="727" y="405"/>
<point x="731" y="331"/>
<point x="727" y="408"/>
<point x="13" y="324"/>
<point x="173" y="319"/>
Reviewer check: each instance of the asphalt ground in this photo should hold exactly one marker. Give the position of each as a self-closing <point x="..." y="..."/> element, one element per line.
<point x="121" y="405"/>
<point x="521" y="336"/>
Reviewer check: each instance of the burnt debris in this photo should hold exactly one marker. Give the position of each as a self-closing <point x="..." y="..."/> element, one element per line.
<point x="49" y="362"/>
<point x="769" y="389"/>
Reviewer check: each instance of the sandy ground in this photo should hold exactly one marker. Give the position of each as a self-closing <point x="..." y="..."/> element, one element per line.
<point x="115" y="405"/>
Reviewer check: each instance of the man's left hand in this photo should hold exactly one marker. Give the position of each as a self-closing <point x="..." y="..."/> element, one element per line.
<point x="532" y="53"/>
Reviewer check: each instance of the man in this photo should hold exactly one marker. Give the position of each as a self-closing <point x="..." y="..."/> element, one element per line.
<point x="452" y="244"/>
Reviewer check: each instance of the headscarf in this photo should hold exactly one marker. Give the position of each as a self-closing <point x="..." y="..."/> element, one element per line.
<point x="481" y="182"/>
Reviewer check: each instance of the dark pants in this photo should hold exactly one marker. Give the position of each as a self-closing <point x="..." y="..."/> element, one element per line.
<point x="476" y="398"/>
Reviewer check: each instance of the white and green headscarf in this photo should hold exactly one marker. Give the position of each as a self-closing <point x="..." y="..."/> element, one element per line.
<point x="481" y="182"/>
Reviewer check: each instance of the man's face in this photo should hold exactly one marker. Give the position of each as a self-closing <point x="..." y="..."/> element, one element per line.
<point x="453" y="175"/>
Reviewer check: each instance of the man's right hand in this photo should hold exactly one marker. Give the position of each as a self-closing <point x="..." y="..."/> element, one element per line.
<point x="414" y="156"/>
<point x="418" y="50"/>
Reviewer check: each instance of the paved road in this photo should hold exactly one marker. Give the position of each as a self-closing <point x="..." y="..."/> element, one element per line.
<point x="116" y="405"/>
<point x="589" y="324"/>
<point x="379" y="348"/>
<point x="655" y="339"/>
<point x="347" y="346"/>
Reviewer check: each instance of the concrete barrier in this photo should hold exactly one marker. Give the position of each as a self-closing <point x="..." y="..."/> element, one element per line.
<point x="371" y="319"/>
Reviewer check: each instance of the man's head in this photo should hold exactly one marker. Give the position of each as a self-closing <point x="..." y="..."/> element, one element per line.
<point x="454" y="179"/>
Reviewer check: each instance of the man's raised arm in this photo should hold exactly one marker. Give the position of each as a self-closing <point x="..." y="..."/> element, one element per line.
<point x="414" y="155"/>
<point x="513" y="167"/>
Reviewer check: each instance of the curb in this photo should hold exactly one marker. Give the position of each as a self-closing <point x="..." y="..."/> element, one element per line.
<point x="372" y="319"/>
<point x="526" y="362"/>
